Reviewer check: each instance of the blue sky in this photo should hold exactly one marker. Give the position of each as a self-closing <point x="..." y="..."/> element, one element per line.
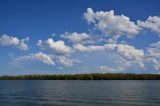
<point x="89" y="36"/>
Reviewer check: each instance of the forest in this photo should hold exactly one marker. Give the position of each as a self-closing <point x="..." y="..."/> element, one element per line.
<point x="93" y="76"/>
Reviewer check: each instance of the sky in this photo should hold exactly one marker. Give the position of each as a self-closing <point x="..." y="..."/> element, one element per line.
<point x="79" y="36"/>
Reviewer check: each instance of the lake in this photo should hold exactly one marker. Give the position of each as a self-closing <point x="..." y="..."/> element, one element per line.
<point x="79" y="93"/>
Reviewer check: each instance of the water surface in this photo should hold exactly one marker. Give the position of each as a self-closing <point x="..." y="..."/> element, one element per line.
<point x="79" y="93"/>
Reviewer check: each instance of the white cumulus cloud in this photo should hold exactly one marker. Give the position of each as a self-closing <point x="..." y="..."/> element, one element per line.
<point x="58" y="47"/>
<point x="6" y="40"/>
<point x="45" y="58"/>
<point x="78" y="37"/>
<point x="126" y="51"/>
<point x="48" y="59"/>
<point x="64" y="61"/>
<point x="152" y="23"/>
<point x="82" y="48"/>
<point x="154" y="55"/>
<point x="111" y="24"/>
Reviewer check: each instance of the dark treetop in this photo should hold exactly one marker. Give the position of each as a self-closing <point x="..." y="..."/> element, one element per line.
<point x="94" y="76"/>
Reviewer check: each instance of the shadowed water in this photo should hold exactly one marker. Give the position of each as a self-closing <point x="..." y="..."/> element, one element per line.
<point x="79" y="93"/>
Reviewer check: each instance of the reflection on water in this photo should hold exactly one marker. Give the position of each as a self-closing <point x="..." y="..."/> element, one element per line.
<point x="79" y="93"/>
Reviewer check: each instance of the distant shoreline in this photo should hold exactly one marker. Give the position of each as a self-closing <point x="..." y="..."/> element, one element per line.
<point x="94" y="76"/>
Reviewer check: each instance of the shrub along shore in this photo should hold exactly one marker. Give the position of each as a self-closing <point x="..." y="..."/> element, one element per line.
<point x="94" y="76"/>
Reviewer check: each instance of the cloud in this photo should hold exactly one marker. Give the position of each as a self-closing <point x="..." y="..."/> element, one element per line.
<point x="111" y="24"/>
<point x="6" y="40"/>
<point x="82" y="48"/>
<point x="154" y="50"/>
<point x="58" y="47"/>
<point x="126" y="51"/>
<point x="101" y="69"/>
<point x="39" y="43"/>
<point x="23" y="45"/>
<point x="154" y="62"/>
<point x="152" y="23"/>
<point x="109" y="69"/>
<point x="108" y="56"/>
<point x="81" y="38"/>
<point x="153" y="56"/>
<point x="47" y="59"/>
<point x="132" y="57"/>
<point x="156" y="45"/>
<point x="66" y="61"/>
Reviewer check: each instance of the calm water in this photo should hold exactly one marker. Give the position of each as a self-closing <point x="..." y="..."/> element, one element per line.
<point x="79" y="93"/>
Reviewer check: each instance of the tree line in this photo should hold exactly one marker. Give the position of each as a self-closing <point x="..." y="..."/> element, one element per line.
<point x="94" y="76"/>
